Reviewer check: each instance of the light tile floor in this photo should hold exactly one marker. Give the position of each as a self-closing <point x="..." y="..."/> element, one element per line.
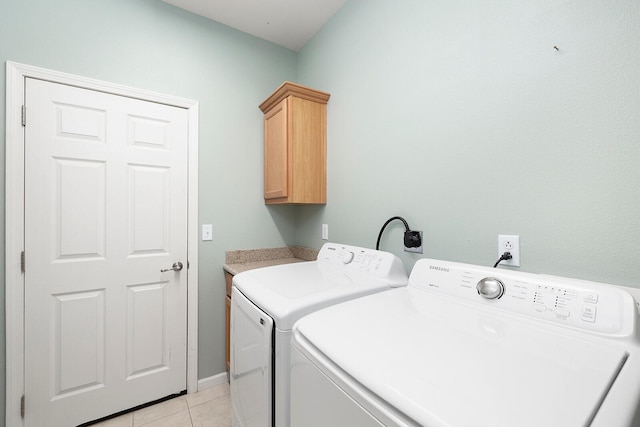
<point x="207" y="408"/>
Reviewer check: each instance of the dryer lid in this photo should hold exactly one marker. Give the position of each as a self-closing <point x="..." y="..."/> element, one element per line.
<point x="341" y="272"/>
<point x="443" y="363"/>
<point x="288" y="292"/>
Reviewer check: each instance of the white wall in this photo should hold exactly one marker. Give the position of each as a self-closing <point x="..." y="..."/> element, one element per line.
<point x="463" y="118"/>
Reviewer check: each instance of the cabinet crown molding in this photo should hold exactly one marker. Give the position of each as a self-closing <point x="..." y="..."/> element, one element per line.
<point x="289" y="88"/>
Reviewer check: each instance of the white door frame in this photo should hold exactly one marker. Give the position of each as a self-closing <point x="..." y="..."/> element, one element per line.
<point x="14" y="220"/>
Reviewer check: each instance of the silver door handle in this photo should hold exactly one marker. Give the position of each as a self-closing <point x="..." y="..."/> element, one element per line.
<point x="177" y="266"/>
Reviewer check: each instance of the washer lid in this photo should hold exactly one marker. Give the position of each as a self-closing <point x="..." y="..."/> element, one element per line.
<point x="288" y="292"/>
<point x="444" y="363"/>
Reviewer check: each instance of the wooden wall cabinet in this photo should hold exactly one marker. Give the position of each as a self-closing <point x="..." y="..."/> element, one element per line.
<point x="228" y="279"/>
<point x="295" y="145"/>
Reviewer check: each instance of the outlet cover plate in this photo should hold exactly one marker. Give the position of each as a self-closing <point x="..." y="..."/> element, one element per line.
<point x="418" y="249"/>
<point x="509" y="243"/>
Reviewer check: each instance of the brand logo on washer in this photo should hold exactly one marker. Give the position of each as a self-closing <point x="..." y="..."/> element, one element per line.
<point x="435" y="267"/>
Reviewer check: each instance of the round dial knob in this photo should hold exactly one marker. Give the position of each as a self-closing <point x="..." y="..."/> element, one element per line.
<point x="347" y="258"/>
<point x="490" y="288"/>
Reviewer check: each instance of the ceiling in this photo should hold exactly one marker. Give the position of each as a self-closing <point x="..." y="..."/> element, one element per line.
<point x="288" y="23"/>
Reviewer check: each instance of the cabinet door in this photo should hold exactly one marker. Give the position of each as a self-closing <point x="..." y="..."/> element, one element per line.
<point x="228" y="278"/>
<point x="276" y="152"/>
<point x="228" y="337"/>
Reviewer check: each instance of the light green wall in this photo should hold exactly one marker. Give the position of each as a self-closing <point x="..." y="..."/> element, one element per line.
<point x="459" y="116"/>
<point x="463" y="118"/>
<point x="151" y="45"/>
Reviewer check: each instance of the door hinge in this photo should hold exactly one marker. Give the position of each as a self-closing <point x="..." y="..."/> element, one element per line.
<point x="22" y="261"/>
<point x="22" y="406"/>
<point x="24" y="115"/>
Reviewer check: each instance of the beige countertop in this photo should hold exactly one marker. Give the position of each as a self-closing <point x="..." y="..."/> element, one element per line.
<point x="243" y="260"/>
<point x="240" y="267"/>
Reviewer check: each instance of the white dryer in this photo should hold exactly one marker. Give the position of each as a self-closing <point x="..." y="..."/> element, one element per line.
<point x="464" y="345"/>
<point x="266" y="302"/>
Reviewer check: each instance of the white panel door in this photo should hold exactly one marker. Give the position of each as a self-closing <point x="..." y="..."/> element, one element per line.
<point x="105" y="211"/>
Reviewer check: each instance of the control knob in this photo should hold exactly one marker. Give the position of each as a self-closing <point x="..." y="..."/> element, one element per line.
<point x="348" y="257"/>
<point x="490" y="288"/>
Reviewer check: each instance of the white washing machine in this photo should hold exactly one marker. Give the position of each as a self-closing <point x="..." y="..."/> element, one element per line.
<point x="266" y="302"/>
<point x="464" y="345"/>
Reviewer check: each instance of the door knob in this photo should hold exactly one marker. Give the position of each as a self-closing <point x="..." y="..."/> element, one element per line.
<point x="177" y="266"/>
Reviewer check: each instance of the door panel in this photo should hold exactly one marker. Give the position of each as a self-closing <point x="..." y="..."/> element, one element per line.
<point x="73" y="338"/>
<point x="79" y="233"/>
<point x="105" y="211"/>
<point x="149" y="215"/>
<point x="146" y="331"/>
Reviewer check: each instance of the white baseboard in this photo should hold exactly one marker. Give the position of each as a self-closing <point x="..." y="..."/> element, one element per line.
<point x="212" y="381"/>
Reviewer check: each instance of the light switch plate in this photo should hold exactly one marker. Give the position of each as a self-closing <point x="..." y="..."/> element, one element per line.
<point x="207" y="232"/>
<point x="325" y="231"/>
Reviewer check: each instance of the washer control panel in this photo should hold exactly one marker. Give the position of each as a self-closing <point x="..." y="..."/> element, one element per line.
<point x="571" y="302"/>
<point x="354" y="259"/>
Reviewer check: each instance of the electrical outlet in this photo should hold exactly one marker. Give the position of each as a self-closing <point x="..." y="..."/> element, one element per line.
<point x="413" y="241"/>
<point x="325" y="231"/>
<point x="509" y="243"/>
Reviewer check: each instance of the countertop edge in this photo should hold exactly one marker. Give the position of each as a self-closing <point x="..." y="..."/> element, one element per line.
<point x="245" y="266"/>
